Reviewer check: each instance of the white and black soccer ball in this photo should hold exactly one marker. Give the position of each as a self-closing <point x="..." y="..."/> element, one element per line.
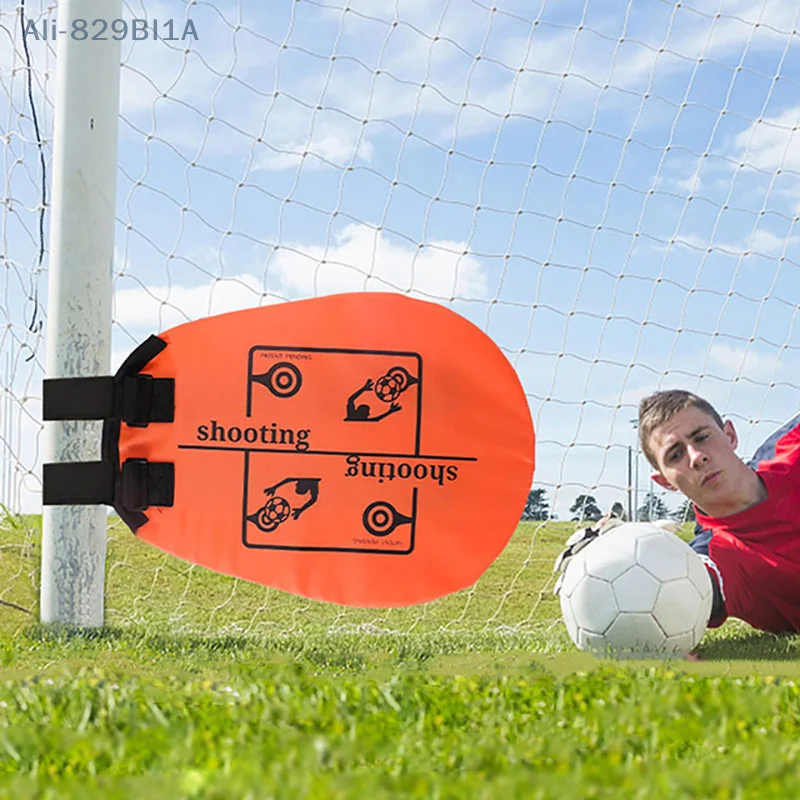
<point x="637" y="591"/>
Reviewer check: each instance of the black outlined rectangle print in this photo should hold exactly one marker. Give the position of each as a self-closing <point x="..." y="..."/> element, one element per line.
<point x="308" y="503"/>
<point x="335" y="400"/>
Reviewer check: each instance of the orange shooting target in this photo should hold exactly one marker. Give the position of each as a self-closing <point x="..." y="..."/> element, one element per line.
<point x="306" y="448"/>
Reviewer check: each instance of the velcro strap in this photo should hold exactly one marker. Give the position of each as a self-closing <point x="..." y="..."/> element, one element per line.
<point x="146" y="399"/>
<point x="146" y="483"/>
<point x="142" y="484"/>
<point x="78" y="398"/>
<point x="136" y="399"/>
<point x="78" y="483"/>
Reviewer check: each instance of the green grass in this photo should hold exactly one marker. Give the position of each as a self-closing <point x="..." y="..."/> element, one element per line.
<point x="150" y="589"/>
<point x="204" y="686"/>
<point x="290" y="732"/>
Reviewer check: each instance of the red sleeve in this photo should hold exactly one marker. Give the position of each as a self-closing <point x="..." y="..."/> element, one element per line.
<point x="719" y="612"/>
<point x="748" y="580"/>
<point x="787" y="454"/>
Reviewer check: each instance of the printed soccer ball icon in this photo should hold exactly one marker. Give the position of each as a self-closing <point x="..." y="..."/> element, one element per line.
<point x="636" y="592"/>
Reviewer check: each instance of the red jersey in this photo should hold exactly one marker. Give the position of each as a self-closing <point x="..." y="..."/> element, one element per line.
<point x="754" y="555"/>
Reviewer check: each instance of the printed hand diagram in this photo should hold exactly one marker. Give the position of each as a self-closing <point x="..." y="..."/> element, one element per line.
<point x="277" y="509"/>
<point x="386" y="389"/>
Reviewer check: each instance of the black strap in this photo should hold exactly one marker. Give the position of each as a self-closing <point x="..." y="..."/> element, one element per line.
<point x="78" y="483"/>
<point x="142" y="484"/>
<point x="146" y="399"/>
<point x="129" y="397"/>
<point x="146" y="483"/>
<point x="78" y="398"/>
<point x="136" y="399"/>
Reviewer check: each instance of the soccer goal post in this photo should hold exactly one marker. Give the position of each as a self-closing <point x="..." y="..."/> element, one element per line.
<point x="78" y="341"/>
<point x="608" y="190"/>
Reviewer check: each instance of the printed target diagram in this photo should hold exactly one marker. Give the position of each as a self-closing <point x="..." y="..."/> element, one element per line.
<point x="312" y="409"/>
<point x="283" y="379"/>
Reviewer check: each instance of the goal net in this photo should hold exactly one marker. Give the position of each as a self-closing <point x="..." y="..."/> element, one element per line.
<point x="609" y="190"/>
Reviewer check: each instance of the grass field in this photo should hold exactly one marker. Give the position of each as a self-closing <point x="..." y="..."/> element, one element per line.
<point x="203" y="686"/>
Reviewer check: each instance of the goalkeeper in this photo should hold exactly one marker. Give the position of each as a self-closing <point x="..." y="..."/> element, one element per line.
<point x="748" y="514"/>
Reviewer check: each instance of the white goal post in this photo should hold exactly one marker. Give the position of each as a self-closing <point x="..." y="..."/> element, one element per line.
<point x="609" y="190"/>
<point x="82" y="217"/>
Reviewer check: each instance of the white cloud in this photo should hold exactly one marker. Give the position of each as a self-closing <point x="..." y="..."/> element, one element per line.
<point x="776" y="16"/>
<point x="364" y="258"/>
<point x="691" y="184"/>
<point x="158" y="308"/>
<point x="408" y="58"/>
<point x="337" y="147"/>
<point x="767" y="243"/>
<point x="744" y="362"/>
<point x="690" y="241"/>
<point x="360" y="258"/>
<point x="771" y="143"/>
<point x="759" y="242"/>
<point x="153" y="67"/>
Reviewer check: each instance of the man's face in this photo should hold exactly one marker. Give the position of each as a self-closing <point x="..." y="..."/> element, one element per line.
<point x="697" y="457"/>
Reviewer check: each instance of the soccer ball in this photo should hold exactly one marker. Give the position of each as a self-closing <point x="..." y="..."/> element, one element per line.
<point x="636" y="592"/>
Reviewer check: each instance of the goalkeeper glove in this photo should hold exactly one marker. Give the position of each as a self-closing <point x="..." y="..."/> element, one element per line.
<point x="586" y="535"/>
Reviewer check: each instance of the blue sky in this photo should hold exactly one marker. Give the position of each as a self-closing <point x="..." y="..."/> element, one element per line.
<point x="609" y="189"/>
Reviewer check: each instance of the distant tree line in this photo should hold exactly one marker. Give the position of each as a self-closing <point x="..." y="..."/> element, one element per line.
<point x="537" y="506"/>
<point x="586" y="508"/>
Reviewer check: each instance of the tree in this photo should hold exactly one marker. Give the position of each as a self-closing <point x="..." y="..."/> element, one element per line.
<point x="537" y="506"/>
<point x="585" y="508"/>
<point x="618" y="510"/>
<point x="685" y="512"/>
<point x="652" y="508"/>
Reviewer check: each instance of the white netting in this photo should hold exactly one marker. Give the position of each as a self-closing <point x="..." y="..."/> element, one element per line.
<point x="609" y="190"/>
<point x="23" y="225"/>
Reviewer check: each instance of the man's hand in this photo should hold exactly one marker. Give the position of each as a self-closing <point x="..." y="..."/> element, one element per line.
<point x="586" y="535"/>
<point x="582" y="537"/>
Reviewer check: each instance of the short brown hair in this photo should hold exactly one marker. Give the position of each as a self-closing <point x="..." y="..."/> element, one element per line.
<point x="657" y="408"/>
